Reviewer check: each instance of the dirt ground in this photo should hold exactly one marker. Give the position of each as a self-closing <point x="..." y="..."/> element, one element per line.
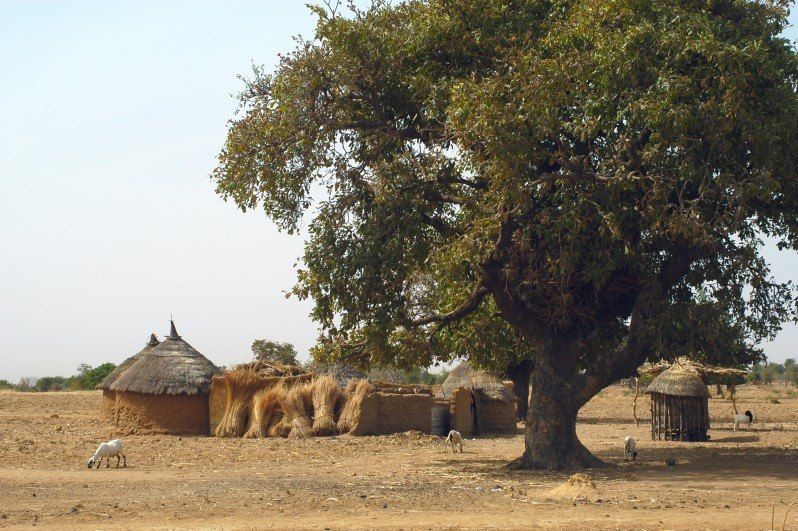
<point x="401" y="481"/>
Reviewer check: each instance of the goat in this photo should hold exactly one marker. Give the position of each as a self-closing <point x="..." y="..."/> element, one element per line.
<point x="629" y="448"/>
<point x="746" y="418"/>
<point x="108" y="450"/>
<point x="456" y="440"/>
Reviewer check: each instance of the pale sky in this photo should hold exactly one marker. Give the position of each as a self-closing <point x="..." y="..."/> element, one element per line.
<point x="111" y="117"/>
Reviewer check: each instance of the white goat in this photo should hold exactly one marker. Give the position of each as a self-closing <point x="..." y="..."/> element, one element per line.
<point x="746" y="418"/>
<point x="629" y="448"/>
<point x="456" y="440"/>
<point x="108" y="450"/>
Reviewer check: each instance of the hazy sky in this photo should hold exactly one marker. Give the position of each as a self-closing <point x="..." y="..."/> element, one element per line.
<point x="111" y="116"/>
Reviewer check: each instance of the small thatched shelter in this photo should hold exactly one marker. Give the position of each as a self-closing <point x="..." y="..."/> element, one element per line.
<point x="679" y="405"/>
<point x="492" y="404"/>
<point x="162" y="389"/>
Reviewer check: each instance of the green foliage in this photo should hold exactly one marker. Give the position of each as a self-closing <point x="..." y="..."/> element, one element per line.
<point x="91" y="377"/>
<point x="589" y="182"/>
<point x="52" y="383"/>
<point x="5" y="384"/>
<point x="393" y="374"/>
<point x="791" y="371"/>
<point x="274" y="351"/>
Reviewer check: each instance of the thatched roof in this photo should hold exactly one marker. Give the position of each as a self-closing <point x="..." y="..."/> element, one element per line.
<point x="679" y="380"/>
<point x="489" y="383"/>
<point x="653" y="369"/>
<point x="122" y="367"/>
<point x="172" y="367"/>
<point x="338" y="371"/>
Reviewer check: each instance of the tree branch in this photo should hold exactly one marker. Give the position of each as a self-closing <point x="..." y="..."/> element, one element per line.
<point x="468" y="306"/>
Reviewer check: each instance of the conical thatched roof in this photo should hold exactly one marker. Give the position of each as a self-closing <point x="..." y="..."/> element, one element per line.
<point x="489" y="383"/>
<point x="679" y="380"/>
<point x="172" y="367"/>
<point x="122" y="367"/>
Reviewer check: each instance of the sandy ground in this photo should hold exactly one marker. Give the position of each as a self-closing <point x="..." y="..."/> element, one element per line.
<point x="401" y="481"/>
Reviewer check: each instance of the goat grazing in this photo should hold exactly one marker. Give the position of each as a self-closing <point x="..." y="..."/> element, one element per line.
<point x="629" y="448"/>
<point x="108" y="450"/>
<point x="456" y="440"/>
<point x="746" y="418"/>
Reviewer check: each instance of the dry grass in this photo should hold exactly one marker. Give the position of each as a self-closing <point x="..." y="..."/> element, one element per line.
<point x="297" y="405"/>
<point x="325" y="397"/>
<point x="265" y="412"/>
<point x="240" y="385"/>
<point x="355" y="391"/>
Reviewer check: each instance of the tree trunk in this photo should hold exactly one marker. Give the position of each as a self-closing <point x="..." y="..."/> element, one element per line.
<point x="519" y="374"/>
<point x="551" y="442"/>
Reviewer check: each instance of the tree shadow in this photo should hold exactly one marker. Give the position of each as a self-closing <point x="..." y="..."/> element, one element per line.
<point x="693" y="462"/>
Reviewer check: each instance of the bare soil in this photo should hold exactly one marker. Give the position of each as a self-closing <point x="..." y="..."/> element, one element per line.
<point x="396" y="481"/>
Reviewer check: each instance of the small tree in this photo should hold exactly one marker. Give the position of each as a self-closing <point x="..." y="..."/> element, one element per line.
<point x="26" y="383"/>
<point x="274" y="351"/>
<point x="93" y="376"/>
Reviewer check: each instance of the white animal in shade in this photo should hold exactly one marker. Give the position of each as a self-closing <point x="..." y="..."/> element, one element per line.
<point x="108" y="450"/>
<point x="629" y="448"/>
<point x="746" y="418"/>
<point x="456" y="440"/>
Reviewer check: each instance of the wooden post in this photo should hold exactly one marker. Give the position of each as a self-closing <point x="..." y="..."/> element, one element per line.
<point x="634" y="405"/>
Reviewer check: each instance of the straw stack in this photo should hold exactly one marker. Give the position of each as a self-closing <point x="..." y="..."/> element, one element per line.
<point x="325" y="397"/>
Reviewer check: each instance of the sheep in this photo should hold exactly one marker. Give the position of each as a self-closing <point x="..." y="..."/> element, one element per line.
<point x="108" y="450"/>
<point x="629" y="448"/>
<point x="746" y="418"/>
<point x="456" y="440"/>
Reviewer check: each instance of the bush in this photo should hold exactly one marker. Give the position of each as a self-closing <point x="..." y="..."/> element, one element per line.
<point x="92" y="377"/>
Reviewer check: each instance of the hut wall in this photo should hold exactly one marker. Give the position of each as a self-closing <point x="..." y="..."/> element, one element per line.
<point x="679" y="418"/>
<point x="385" y="413"/>
<point x="173" y="414"/>
<point x="495" y="415"/>
<point x="108" y="407"/>
<point x="462" y="412"/>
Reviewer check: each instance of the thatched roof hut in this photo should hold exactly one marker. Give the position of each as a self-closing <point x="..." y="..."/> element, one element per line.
<point x="492" y="406"/>
<point x="164" y="389"/>
<point x="679" y="405"/>
<point x="106" y="382"/>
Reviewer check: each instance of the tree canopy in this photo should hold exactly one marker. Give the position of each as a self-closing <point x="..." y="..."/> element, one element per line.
<point x="274" y="351"/>
<point x="575" y="180"/>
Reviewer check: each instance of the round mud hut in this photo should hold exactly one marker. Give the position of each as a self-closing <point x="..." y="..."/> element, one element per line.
<point x="679" y="405"/>
<point x="481" y="402"/>
<point x="162" y="389"/>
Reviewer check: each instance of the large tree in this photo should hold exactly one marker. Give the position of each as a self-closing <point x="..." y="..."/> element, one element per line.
<point x="577" y="176"/>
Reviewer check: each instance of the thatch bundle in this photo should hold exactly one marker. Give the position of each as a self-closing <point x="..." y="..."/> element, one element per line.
<point x="325" y="397"/>
<point x="265" y="412"/>
<point x="354" y="393"/>
<point x="297" y="405"/>
<point x="240" y="386"/>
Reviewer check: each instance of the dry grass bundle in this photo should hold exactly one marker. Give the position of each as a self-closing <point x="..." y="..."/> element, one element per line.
<point x="355" y="391"/>
<point x="297" y="405"/>
<point x="325" y="397"/>
<point x="265" y="412"/>
<point x="240" y="386"/>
